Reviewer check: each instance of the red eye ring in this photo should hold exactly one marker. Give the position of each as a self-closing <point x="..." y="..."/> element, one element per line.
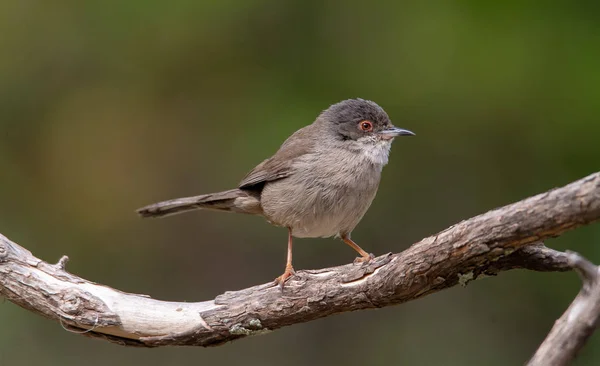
<point x="365" y="126"/>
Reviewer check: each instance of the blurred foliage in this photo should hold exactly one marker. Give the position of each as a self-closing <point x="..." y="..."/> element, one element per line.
<point x="106" y="106"/>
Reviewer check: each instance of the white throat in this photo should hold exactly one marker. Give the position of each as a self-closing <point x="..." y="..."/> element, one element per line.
<point x="377" y="153"/>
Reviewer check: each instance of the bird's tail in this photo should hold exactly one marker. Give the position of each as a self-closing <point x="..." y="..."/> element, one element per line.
<point x="235" y="200"/>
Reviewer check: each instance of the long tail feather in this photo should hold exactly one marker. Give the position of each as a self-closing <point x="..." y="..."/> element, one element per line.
<point x="233" y="200"/>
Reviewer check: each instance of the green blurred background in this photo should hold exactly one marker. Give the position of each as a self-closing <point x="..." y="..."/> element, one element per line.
<point x="106" y="106"/>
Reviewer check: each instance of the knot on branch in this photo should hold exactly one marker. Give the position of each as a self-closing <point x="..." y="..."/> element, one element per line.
<point x="252" y="327"/>
<point x="72" y="303"/>
<point x="84" y="308"/>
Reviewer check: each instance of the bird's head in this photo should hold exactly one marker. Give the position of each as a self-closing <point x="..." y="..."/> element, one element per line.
<point x="361" y="121"/>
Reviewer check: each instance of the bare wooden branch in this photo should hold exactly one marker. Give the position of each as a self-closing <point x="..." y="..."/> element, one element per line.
<point x="487" y="244"/>
<point x="577" y="324"/>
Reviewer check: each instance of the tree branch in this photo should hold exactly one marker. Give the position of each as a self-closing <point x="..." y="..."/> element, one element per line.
<point x="577" y="324"/>
<point x="506" y="238"/>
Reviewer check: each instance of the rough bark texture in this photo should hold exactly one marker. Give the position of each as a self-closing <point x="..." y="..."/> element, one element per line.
<point x="502" y="239"/>
<point x="577" y="324"/>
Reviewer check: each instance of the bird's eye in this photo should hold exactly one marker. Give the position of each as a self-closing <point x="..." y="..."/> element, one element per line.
<point x="366" y="126"/>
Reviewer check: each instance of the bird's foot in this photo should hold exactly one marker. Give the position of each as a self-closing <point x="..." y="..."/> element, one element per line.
<point x="364" y="259"/>
<point x="289" y="272"/>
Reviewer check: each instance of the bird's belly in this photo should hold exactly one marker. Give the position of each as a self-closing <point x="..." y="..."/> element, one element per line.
<point x="308" y="229"/>
<point x="317" y="208"/>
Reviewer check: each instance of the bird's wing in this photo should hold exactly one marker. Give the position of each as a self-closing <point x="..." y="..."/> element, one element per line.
<point x="279" y="165"/>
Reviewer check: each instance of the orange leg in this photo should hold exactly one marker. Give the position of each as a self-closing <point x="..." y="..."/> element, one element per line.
<point x="289" y="270"/>
<point x="364" y="256"/>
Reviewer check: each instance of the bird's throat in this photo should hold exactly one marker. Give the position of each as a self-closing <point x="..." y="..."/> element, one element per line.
<point x="377" y="153"/>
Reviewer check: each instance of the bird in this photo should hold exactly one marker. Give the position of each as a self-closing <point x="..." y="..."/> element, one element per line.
<point x="320" y="182"/>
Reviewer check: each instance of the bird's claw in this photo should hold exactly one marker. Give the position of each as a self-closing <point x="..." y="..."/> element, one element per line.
<point x="289" y="272"/>
<point x="364" y="259"/>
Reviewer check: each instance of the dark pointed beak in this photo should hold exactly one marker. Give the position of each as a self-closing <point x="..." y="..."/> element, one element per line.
<point x="390" y="133"/>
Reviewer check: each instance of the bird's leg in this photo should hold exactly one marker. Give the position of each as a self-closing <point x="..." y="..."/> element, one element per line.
<point x="289" y="270"/>
<point x="364" y="256"/>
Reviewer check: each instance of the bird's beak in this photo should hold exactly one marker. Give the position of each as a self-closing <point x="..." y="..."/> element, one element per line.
<point x="390" y="133"/>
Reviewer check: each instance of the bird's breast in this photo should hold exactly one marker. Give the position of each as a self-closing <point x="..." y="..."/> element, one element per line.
<point x="328" y="194"/>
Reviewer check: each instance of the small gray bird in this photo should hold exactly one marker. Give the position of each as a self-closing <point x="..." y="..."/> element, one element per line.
<point x="319" y="184"/>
